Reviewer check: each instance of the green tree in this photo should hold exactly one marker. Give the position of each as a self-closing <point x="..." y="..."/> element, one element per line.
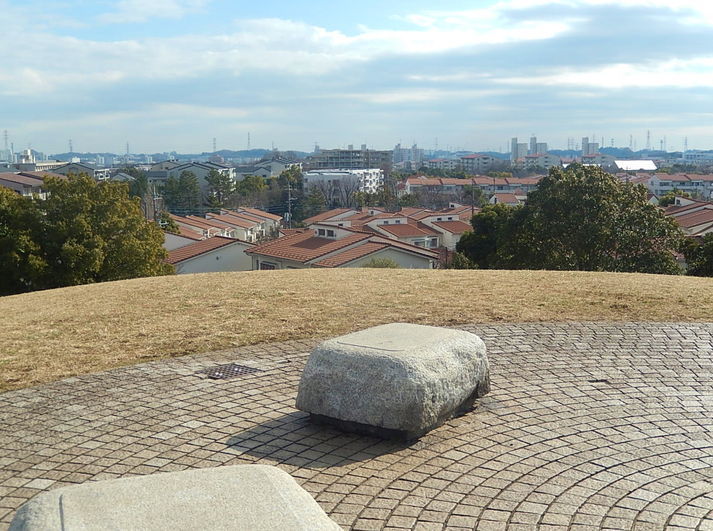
<point x="166" y="222"/>
<point x="699" y="256"/>
<point x="250" y="189"/>
<point x="21" y="260"/>
<point x="583" y="218"/>
<point x="491" y="229"/>
<point x="314" y="203"/>
<point x="182" y="193"/>
<point x="460" y="261"/>
<point x="84" y="232"/>
<point x="669" y="198"/>
<point x="221" y="188"/>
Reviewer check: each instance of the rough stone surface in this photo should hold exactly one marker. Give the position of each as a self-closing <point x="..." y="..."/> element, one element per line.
<point x="247" y="497"/>
<point x="588" y="426"/>
<point x="402" y="379"/>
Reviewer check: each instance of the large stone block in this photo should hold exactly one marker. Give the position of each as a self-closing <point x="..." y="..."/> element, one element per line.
<point x="244" y="497"/>
<point x="396" y="380"/>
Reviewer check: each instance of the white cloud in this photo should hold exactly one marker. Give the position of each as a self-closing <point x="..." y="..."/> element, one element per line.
<point x="675" y="73"/>
<point x="127" y="11"/>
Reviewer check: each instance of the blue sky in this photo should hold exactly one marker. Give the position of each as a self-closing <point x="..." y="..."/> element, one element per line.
<point x="173" y="74"/>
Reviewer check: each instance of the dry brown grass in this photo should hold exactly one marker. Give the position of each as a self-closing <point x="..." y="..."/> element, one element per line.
<point x="65" y="332"/>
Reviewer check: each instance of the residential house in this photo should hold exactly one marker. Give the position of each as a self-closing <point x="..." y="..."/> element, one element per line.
<point x="331" y="246"/>
<point x="266" y="168"/>
<point x="212" y="255"/>
<point x="693" y="216"/>
<point x="506" y="198"/>
<point x="172" y="241"/>
<point x="24" y="185"/>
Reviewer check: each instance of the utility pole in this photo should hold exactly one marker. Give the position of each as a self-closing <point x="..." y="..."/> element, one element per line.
<point x="289" y="204"/>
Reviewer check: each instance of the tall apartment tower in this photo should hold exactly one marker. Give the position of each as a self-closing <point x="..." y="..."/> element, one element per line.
<point x="513" y="149"/>
<point x="533" y="146"/>
<point x="589" y="148"/>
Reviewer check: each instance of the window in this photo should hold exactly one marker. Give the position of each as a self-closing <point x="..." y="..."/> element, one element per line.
<point x="330" y="233"/>
<point x="398" y="221"/>
<point x="439" y="219"/>
<point x="267" y="266"/>
<point x="321" y="232"/>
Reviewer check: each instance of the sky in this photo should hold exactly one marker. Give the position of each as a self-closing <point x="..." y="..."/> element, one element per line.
<point x="172" y="75"/>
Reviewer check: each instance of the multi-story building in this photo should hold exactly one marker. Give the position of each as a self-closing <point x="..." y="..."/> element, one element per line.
<point x="412" y="155"/>
<point x="475" y="164"/>
<point x="697" y="185"/>
<point x="542" y="160"/>
<point x="598" y="159"/>
<point x="589" y="148"/>
<point x="353" y="159"/>
<point x="443" y="164"/>
<point x="339" y="185"/>
<point x="519" y="150"/>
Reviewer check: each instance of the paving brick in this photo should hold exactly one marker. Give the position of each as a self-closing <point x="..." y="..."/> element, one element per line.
<point x="588" y="425"/>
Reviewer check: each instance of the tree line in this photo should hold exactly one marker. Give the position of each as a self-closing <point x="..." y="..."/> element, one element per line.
<point x="82" y="232"/>
<point x="582" y="219"/>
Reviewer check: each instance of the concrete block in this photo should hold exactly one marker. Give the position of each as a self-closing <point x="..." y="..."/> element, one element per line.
<point x="397" y="380"/>
<point x="244" y="497"/>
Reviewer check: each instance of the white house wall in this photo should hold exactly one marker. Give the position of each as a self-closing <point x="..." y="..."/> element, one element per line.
<point x="224" y="259"/>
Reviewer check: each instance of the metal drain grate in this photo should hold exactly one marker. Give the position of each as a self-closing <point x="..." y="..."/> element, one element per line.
<point x="228" y="371"/>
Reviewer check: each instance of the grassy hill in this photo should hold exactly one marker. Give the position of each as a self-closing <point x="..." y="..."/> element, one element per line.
<point x="65" y="332"/>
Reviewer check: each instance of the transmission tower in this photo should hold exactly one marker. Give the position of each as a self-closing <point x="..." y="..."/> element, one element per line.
<point x="648" y="140"/>
<point x="71" y="148"/>
<point x="215" y="149"/>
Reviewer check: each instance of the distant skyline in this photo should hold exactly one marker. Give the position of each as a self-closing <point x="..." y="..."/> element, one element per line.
<point x="171" y="75"/>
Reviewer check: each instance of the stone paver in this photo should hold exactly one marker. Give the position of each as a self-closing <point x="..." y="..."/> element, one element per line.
<point x="587" y="426"/>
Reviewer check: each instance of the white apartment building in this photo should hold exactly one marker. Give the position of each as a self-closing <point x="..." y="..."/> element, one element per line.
<point x="336" y="183"/>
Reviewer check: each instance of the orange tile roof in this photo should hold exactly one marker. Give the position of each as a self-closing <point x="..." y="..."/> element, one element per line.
<point x="21" y="179"/>
<point x="322" y="216"/>
<point x="210" y="222"/>
<point x="234" y="220"/>
<point x="409" y="230"/>
<point x="305" y="246"/>
<point x="259" y="213"/>
<point x="350" y="255"/>
<point x="507" y="198"/>
<point x="201" y="247"/>
<point x="694" y="219"/>
<point x="188" y="233"/>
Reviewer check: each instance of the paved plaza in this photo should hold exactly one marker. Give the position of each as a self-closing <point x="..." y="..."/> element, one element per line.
<point x="588" y="426"/>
